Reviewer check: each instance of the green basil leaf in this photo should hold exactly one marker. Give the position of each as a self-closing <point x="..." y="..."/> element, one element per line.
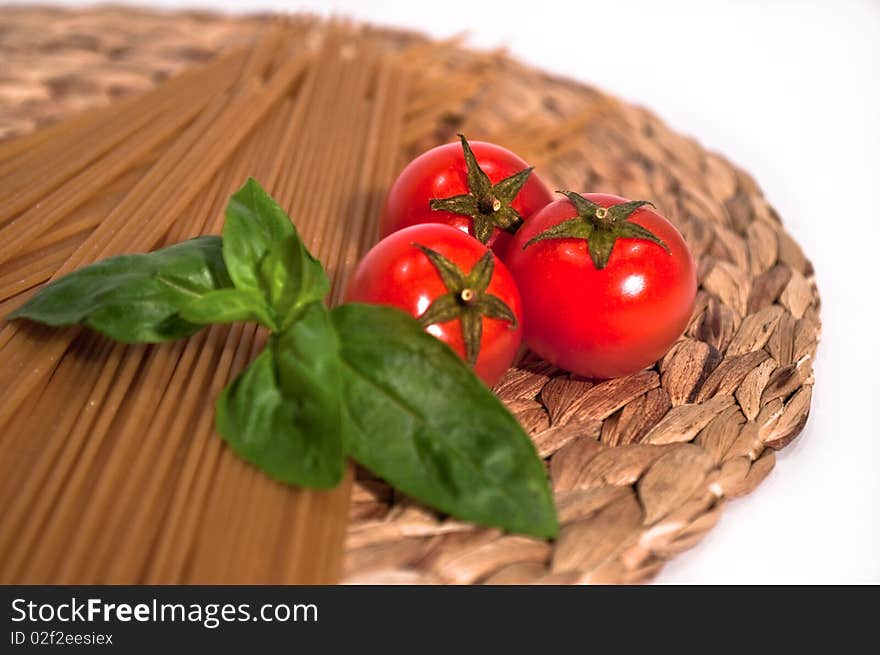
<point x="291" y="278"/>
<point x="264" y="253"/>
<point x="283" y="413"/>
<point x="254" y="222"/>
<point x="228" y="306"/>
<point x="134" y="298"/>
<point x="419" y="418"/>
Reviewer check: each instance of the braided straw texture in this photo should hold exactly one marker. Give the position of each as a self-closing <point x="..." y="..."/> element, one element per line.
<point x="641" y="466"/>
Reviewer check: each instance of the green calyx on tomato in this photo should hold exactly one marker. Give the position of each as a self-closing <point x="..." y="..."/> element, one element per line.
<point x="466" y="299"/>
<point x="600" y="226"/>
<point x="488" y="205"/>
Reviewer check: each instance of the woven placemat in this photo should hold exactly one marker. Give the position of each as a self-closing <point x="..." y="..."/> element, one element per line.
<point x="642" y="465"/>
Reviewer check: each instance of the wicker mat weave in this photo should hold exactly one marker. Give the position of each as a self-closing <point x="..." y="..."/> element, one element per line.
<point x="642" y="465"/>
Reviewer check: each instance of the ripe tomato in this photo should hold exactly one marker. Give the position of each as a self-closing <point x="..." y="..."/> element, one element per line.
<point x="454" y="285"/>
<point x="478" y="187"/>
<point x="607" y="285"/>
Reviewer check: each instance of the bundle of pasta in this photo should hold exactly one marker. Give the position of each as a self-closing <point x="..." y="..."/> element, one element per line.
<point x="112" y="472"/>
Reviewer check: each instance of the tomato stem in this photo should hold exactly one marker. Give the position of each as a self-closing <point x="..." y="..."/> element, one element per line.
<point x="599" y="226"/>
<point x="603" y="217"/>
<point x="490" y="206"/>
<point x="466" y="299"/>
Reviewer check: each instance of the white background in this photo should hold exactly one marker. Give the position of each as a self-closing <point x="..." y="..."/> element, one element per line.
<point x="791" y="92"/>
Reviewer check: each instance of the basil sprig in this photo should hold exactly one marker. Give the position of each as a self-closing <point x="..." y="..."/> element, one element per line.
<point x="405" y="406"/>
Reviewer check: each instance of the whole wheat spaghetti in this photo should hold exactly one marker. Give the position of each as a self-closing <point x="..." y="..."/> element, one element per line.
<point x="131" y="482"/>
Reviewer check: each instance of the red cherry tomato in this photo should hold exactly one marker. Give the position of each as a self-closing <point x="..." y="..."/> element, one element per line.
<point x="399" y="271"/>
<point x="442" y="173"/>
<point x="602" y="322"/>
